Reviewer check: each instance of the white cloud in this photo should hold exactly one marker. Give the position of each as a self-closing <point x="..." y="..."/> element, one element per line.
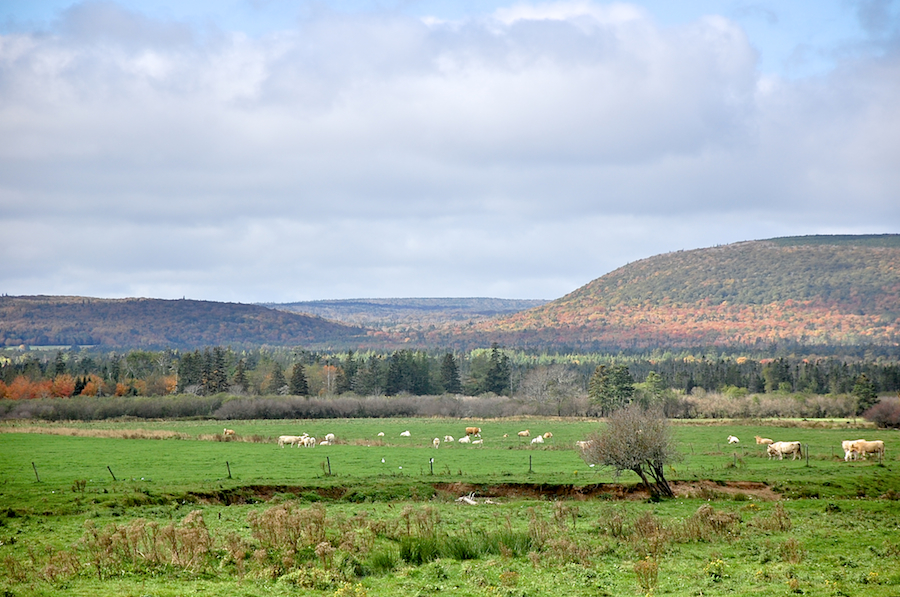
<point x="519" y="154"/>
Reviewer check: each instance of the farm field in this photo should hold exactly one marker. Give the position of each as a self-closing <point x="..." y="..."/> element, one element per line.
<point x="194" y="514"/>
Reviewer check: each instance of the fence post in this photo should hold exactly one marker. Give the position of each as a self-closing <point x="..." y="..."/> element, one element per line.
<point x="229" y="469"/>
<point x="431" y="465"/>
<point x="111" y="473"/>
<point x="529" y="463"/>
<point x="328" y="460"/>
<point x="36" y="473"/>
<point x="807" y="454"/>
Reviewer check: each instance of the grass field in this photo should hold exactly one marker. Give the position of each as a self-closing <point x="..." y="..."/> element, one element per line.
<point x="272" y="521"/>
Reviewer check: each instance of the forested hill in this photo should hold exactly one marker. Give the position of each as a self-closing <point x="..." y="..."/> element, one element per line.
<point x="401" y="313"/>
<point x="157" y="323"/>
<point x="813" y="290"/>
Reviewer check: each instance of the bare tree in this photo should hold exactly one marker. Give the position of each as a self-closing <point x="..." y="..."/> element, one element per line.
<point x="552" y="385"/>
<point x="638" y="440"/>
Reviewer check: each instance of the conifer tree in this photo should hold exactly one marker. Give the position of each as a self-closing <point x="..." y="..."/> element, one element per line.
<point x="450" y="375"/>
<point x="298" y="385"/>
<point x="277" y="381"/>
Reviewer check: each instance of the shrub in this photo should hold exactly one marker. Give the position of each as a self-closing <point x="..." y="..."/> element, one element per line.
<point x="885" y="414"/>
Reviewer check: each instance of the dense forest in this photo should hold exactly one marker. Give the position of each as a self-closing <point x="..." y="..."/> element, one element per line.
<point x="493" y="370"/>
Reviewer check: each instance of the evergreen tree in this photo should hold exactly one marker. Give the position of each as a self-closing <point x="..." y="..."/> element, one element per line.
<point x="218" y="375"/>
<point x="346" y="374"/>
<point x="450" y="375"/>
<point x="865" y="393"/>
<point x="497" y="379"/>
<point x="240" y="377"/>
<point x="611" y="388"/>
<point x="277" y="381"/>
<point x="190" y="371"/>
<point x="59" y="365"/>
<point x="298" y="385"/>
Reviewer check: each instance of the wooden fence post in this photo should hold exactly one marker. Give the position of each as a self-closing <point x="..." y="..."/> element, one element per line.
<point x="36" y="473"/>
<point x="229" y="468"/>
<point x="111" y="473"/>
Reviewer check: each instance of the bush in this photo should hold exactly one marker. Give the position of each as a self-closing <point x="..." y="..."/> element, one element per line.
<point x="885" y="414"/>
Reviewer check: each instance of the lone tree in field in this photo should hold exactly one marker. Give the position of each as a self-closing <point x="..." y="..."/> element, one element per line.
<point x="638" y="440"/>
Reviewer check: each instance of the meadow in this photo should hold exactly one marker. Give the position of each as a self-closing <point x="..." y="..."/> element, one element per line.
<point x="172" y="508"/>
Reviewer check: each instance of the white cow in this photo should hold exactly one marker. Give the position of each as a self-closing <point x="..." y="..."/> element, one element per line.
<point x="548" y="435"/>
<point x="733" y="440"/>
<point x="763" y="440"/>
<point x="405" y="434"/>
<point x="525" y="433"/>
<point x="381" y="434"/>
<point x="465" y="440"/>
<point x="781" y="448"/>
<point x="448" y="438"/>
<point x="538" y="440"/>
<point x="289" y="439"/>
<point x="329" y="437"/>
<point x="583" y="445"/>
<point x="477" y="441"/>
<point x="864" y="448"/>
<point x="436" y="442"/>
<point x="847" y="446"/>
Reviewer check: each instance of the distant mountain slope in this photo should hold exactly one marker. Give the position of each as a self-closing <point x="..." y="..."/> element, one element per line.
<point x="156" y="323"/>
<point x="405" y="312"/>
<point x="816" y="290"/>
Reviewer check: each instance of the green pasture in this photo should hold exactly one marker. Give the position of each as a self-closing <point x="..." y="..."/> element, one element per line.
<point x="835" y="531"/>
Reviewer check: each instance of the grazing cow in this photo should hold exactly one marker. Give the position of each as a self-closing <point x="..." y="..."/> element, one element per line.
<point x="448" y="438"/>
<point x="525" y="433"/>
<point x="465" y="440"/>
<point x="436" y="442"/>
<point x="781" y="448"/>
<point x="538" y="440"/>
<point x="329" y="437"/>
<point x="228" y="432"/>
<point x="324" y="442"/>
<point x="864" y="448"/>
<point x="733" y="440"/>
<point x="381" y="434"/>
<point x="473" y="430"/>
<point x="763" y="440"/>
<point x="847" y="446"/>
<point x="405" y="434"/>
<point x="289" y="439"/>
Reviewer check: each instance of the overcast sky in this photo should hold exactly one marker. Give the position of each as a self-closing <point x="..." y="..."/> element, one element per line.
<point x="262" y="150"/>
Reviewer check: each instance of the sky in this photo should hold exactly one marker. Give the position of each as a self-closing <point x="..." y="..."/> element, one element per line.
<point x="274" y="151"/>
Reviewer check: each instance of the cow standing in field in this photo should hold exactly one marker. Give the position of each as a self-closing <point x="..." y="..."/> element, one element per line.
<point x="436" y="442"/>
<point x="763" y="441"/>
<point x="847" y="447"/>
<point x="780" y="449"/>
<point x="473" y="431"/>
<point x="864" y="448"/>
<point x="228" y="432"/>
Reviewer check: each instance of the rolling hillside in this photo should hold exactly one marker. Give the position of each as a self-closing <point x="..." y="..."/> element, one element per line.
<point x="814" y="291"/>
<point x="156" y="323"/>
<point x="402" y="313"/>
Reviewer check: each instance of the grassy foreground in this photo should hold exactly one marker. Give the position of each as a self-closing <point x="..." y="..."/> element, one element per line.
<point x="173" y="522"/>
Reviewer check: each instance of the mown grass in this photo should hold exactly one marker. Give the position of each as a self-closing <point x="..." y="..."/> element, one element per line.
<point x="174" y="523"/>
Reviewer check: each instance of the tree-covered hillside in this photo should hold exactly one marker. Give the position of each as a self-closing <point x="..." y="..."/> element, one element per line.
<point x="156" y="323"/>
<point x="818" y="290"/>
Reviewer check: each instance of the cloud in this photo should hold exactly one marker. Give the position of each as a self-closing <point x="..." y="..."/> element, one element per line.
<point x="518" y="154"/>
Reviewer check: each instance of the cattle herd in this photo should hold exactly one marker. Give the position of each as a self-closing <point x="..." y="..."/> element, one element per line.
<point x="853" y="449"/>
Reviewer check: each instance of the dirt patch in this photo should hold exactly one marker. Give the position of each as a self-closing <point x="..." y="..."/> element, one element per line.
<point x="251" y="494"/>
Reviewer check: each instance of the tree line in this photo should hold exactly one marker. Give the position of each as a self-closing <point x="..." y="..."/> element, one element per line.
<point x="548" y="378"/>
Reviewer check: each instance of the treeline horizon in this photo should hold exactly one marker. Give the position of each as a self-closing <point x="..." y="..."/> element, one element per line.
<point x="494" y="370"/>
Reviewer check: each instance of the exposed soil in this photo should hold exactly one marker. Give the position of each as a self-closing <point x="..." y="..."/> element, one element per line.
<point x="602" y="491"/>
